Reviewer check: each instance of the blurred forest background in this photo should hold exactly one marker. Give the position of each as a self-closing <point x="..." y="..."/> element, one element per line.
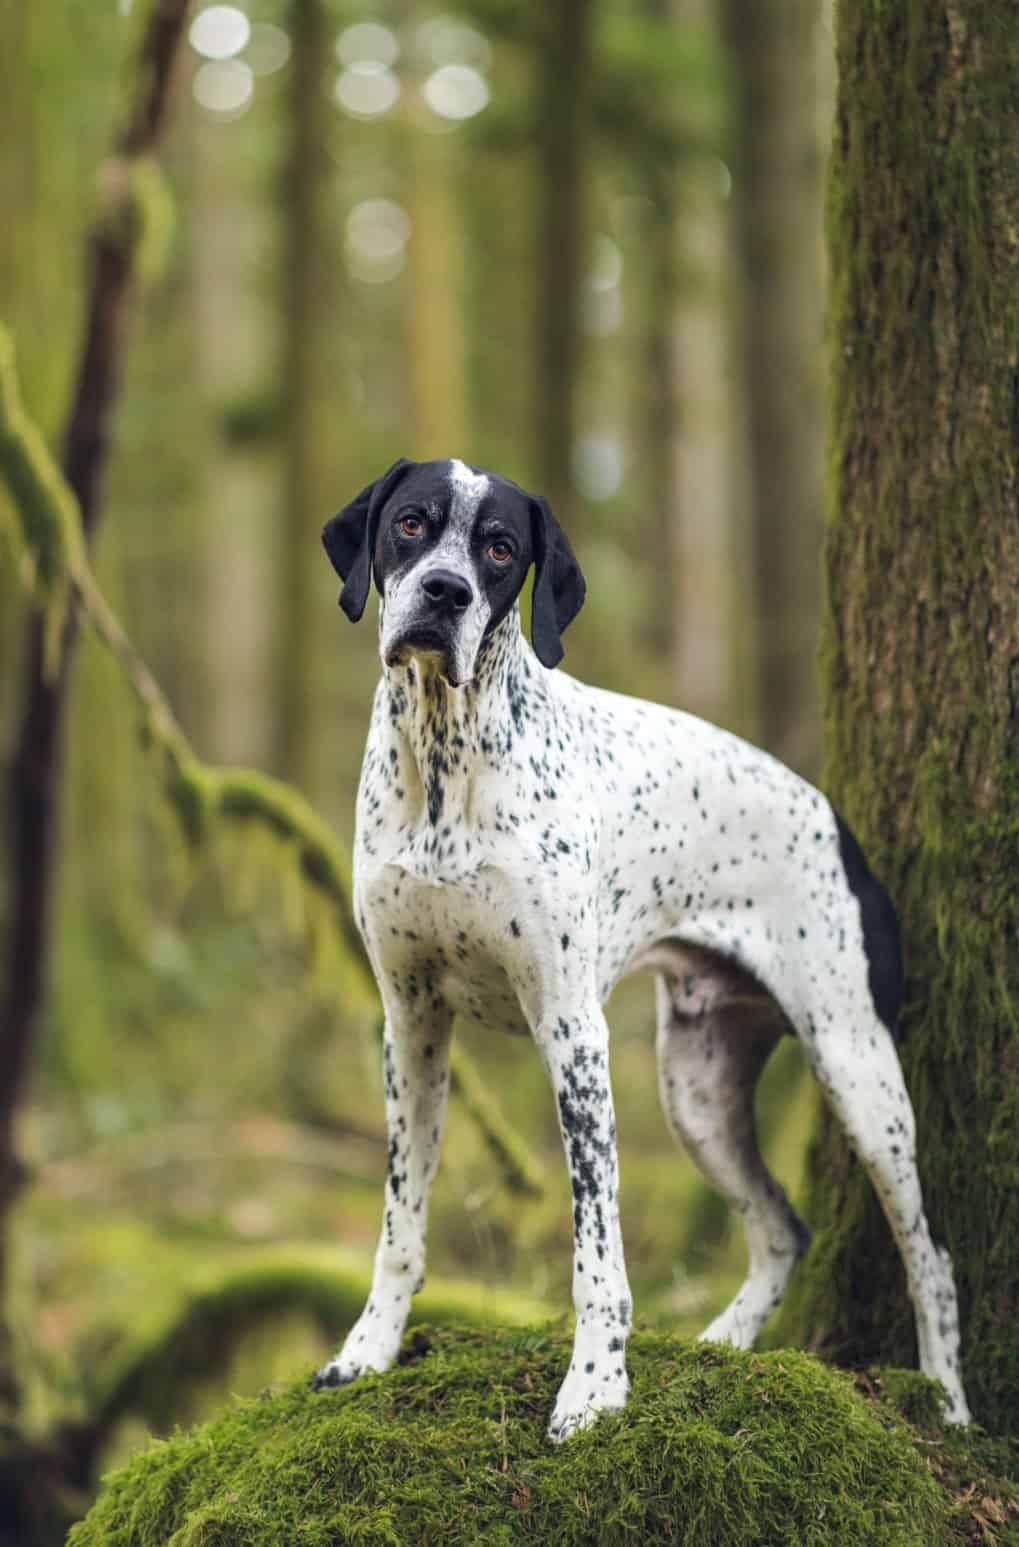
<point x="579" y="243"/>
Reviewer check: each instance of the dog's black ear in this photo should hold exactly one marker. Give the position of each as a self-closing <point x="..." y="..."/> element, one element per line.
<point x="559" y="587"/>
<point x="349" y="538"/>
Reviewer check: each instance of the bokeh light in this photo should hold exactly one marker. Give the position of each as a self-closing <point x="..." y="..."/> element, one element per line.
<point x="601" y="300"/>
<point x="599" y="463"/>
<point x="268" y="48"/>
<point x="450" y="40"/>
<point x="367" y="89"/>
<point x="367" y="42"/>
<point x="456" y="91"/>
<point x="377" y="233"/>
<point x="223" y="86"/>
<point x="219" y="32"/>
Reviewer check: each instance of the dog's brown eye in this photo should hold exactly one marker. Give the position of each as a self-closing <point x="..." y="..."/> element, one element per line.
<point x="411" y="526"/>
<point x="500" y="551"/>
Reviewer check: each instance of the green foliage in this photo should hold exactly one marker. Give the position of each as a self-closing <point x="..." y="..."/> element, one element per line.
<point x="716" y="1446"/>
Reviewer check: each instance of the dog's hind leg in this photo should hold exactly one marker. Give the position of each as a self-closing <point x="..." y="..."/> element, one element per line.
<point x="711" y="1049"/>
<point x="861" y="1077"/>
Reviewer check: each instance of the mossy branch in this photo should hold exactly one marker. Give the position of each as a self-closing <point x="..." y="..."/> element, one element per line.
<point x="201" y="1335"/>
<point x="504" y="1143"/>
<point x="42" y="504"/>
<point x="48" y="525"/>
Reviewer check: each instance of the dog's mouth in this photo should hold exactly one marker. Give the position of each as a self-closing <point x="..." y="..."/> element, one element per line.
<point x="429" y="641"/>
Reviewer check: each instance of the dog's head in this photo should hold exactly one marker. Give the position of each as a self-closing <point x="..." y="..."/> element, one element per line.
<point x="450" y="547"/>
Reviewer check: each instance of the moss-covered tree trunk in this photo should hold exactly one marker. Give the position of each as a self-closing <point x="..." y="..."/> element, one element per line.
<point x="921" y="647"/>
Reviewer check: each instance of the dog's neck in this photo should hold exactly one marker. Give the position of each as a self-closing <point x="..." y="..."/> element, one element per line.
<point x="447" y="731"/>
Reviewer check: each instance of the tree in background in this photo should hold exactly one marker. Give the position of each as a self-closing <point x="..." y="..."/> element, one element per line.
<point x="712" y="666"/>
<point x="564" y="63"/>
<point x="921" y="649"/>
<point x="772" y="54"/>
<point x="310" y="433"/>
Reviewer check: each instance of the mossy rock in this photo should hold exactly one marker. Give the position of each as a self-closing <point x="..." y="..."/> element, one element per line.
<point x="717" y="1448"/>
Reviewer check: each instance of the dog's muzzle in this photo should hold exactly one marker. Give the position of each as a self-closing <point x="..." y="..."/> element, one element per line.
<point x="435" y="624"/>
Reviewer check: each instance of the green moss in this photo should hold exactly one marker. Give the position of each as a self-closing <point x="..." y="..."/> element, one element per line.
<point x="716" y="1447"/>
<point x="41" y="506"/>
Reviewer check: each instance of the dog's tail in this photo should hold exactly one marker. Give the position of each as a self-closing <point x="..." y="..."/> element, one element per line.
<point x="882" y="940"/>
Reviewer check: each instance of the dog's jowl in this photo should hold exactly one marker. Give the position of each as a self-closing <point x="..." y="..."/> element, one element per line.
<point x="523" y="840"/>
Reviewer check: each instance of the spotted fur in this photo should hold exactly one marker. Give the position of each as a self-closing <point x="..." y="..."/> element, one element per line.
<point x="523" y="841"/>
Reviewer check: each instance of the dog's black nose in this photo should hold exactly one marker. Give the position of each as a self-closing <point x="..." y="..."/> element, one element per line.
<point x="447" y="591"/>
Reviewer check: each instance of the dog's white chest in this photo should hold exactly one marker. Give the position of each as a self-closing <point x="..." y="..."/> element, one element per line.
<point x="449" y="923"/>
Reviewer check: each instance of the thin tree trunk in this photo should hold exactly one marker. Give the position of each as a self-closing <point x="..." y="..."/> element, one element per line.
<point x="307" y="398"/>
<point x="36" y="769"/>
<point x="712" y="657"/>
<point x="565" y="64"/>
<point x="435" y="283"/>
<point x="921" y="648"/>
<point x="776" y="216"/>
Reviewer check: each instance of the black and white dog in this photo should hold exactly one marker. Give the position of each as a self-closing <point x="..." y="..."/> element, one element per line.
<point x="523" y="840"/>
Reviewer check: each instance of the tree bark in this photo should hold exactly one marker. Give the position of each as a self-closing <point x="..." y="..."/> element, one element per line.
<point x="564" y="72"/>
<point x="776" y="222"/>
<point x="921" y="648"/>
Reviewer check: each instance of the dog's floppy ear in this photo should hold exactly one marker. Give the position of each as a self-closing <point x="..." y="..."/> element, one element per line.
<point x="559" y="587"/>
<point x="349" y="538"/>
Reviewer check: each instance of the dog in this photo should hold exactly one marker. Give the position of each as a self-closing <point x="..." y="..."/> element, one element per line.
<point x="523" y="840"/>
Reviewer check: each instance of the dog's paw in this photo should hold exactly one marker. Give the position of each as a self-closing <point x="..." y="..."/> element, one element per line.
<point x="332" y="1374"/>
<point x="584" y="1394"/>
<point x="367" y="1347"/>
<point x="344" y="1369"/>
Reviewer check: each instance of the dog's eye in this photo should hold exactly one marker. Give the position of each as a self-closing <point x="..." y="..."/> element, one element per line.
<point x="411" y="526"/>
<point x="500" y="551"/>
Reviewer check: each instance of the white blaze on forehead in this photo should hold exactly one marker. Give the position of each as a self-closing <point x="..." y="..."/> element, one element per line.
<point x="402" y="607"/>
<point x="468" y="490"/>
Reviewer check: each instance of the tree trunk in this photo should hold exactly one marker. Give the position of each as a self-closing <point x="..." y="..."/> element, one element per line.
<point x="713" y="663"/>
<point x="308" y="401"/>
<point x="435" y="301"/>
<point x="564" y="70"/>
<point x="776" y="213"/>
<point x="921" y="648"/>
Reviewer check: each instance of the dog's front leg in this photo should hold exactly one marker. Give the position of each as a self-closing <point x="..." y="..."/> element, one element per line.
<point x="416" y="1069"/>
<point x="576" y="1052"/>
